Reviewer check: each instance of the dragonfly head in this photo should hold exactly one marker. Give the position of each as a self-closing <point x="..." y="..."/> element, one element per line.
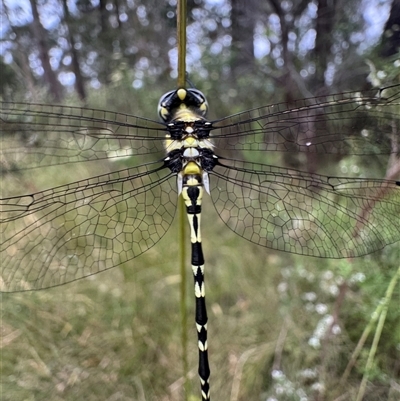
<point x="188" y="102"/>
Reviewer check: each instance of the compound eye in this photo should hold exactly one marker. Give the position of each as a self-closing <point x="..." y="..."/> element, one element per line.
<point x="201" y="99"/>
<point x="163" y="108"/>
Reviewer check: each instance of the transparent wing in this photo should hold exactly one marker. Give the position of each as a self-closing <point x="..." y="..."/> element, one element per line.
<point x="307" y="214"/>
<point x="357" y="123"/>
<point x="34" y="135"/>
<point x="62" y="234"/>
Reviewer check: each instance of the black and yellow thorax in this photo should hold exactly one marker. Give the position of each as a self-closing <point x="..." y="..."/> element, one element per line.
<point x="189" y="148"/>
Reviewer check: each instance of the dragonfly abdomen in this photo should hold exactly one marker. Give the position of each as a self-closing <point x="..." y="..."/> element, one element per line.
<point x="192" y="194"/>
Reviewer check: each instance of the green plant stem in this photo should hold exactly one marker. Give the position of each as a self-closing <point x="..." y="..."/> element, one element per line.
<point x="380" y="311"/>
<point x="181" y="35"/>
<point x="181" y="32"/>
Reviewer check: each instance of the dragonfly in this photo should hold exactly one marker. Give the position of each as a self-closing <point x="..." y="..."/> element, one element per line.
<point x="58" y="235"/>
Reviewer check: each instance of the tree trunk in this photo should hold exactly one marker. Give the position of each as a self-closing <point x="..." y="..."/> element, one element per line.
<point x="243" y="23"/>
<point x="79" y="85"/>
<point x="323" y="43"/>
<point x="21" y="61"/>
<point x="103" y="15"/>
<point x="116" y="5"/>
<point x="40" y="37"/>
<point x="286" y="79"/>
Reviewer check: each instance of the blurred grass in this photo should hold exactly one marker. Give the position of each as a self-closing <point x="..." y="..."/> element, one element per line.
<point x="116" y="336"/>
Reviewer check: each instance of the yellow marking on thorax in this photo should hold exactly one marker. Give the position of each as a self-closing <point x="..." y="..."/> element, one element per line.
<point x="191" y="168"/>
<point x="190" y="142"/>
<point x="185" y="114"/>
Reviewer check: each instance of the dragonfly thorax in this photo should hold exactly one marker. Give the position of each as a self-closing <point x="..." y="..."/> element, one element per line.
<point x="188" y="146"/>
<point x="191" y="165"/>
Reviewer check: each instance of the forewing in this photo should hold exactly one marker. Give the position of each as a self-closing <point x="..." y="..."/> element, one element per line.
<point x="34" y="135"/>
<point x="357" y="123"/>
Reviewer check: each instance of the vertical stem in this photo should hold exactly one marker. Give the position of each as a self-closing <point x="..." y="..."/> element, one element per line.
<point x="181" y="36"/>
<point x="181" y="32"/>
<point x="383" y="308"/>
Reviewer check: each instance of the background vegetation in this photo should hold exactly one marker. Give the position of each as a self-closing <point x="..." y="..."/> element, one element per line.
<point x="281" y="327"/>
